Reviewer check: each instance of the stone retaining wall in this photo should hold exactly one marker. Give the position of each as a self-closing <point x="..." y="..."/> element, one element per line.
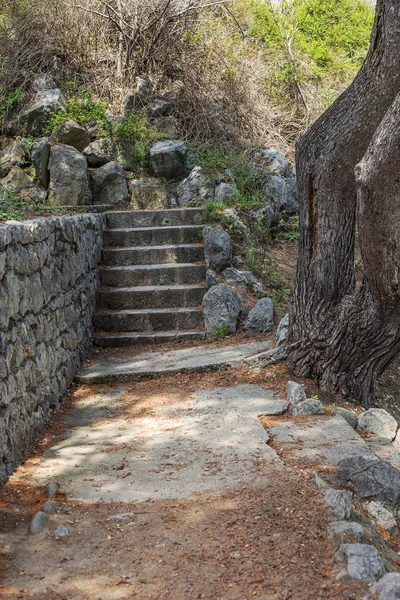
<point x="48" y="281"/>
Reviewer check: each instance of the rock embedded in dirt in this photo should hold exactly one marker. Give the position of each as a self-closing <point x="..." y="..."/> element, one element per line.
<point x="148" y="194"/>
<point x="196" y="189"/>
<point x="98" y="152"/>
<point x="383" y="517"/>
<point x="49" y="507"/>
<point x="218" y="248"/>
<point x="295" y="392"/>
<point x="363" y="562"/>
<point x="72" y="134"/>
<point x="340" y="501"/>
<point x="370" y="477"/>
<point x="281" y="194"/>
<point x="232" y="219"/>
<point x="222" y="305"/>
<point x="388" y="587"/>
<point x="40" y="154"/>
<point x="347" y="415"/>
<point x="61" y="531"/>
<point x="12" y="154"/>
<point x="379" y="422"/>
<point x="276" y="163"/>
<point x="261" y="318"/>
<point x="169" y="159"/>
<point x="159" y="108"/>
<point x="69" y="179"/>
<point x="38" y="523"/>
<point x="36" y="114"/>
<point x="139" y="96"/>
<point x="345" y="530"/>
<point x="51" y="489"/>
<point x="22" y="187"/>
<point x="275" y="408"/>
<point x="282" y="330"/>
<point x="109" y="185"/>
<point x="307" y="407"/>
<point x="211" y="278"/>
<point x="226" y="192"/>
<point x="233" y="275"/>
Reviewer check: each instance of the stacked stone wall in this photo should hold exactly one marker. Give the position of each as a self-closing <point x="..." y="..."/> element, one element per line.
<point x="48" y="282"/>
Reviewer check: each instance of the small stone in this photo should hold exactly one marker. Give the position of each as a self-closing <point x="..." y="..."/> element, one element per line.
<point x="340" y="501"/>
<point x="379" y="422"/>
<point x="61" y="531"/>
<point x="382" y="516"/>
<point x="347" y="415"/>
<point x="39" y="522"/>
<point x="121" y="516"/>
<point x="211" y="278"/>
<point x="51" y="489"/>
<point x="339" y="530"/>
<point x="363" y="562"/>
<point x="295" y="392"/>
<point x="307" y="407"/>
<point x="388" y="587"/>
<point x="49" y="507"/>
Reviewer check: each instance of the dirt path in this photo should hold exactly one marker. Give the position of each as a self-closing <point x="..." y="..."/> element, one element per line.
<point x="169" y="491"/>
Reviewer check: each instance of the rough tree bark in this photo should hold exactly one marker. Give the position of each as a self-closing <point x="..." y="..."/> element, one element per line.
<point x="342" y="336"/>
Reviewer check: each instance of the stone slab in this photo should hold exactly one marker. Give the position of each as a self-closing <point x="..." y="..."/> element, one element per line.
<point x="158" y="364"/>
<point x="212" y="441"/>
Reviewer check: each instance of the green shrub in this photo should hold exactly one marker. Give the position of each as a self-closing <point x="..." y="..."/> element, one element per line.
<point x="82" y="109"/>
<point x="135" y="136"/>
<point x="221" y="331"/>
<point x="9" y="100"/>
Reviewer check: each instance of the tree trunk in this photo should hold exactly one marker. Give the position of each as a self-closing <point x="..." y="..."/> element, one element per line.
<point x="340" y="336"/>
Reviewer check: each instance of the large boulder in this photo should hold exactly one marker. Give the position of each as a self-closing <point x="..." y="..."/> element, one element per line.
<point x="196" y="189"/>
<point x="148" y="194"/>
<point x="72" y="134"/>
<point x="371" y="477"/>
<point x="276" y="163"/>
<point x="98" y="153"/>
<point x="17" y="184"/>
<point x="37" y="113"/>
<point x="222" y="306"/>
<point x="110" y="185"/>
<point x="379" y="422"/>
<point x="169" y="159"/>
<point x="261" y="318"/>
<point x="69" y="178"/>
<point x="281" y="194"/>
<point x="12" y="154"/>
<point x="40" y="154"/>
<point x="363" y="562"/>
<point x="218" y="248"/>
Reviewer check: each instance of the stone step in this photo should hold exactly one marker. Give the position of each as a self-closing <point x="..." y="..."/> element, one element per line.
<point x="149" y="320"/>
<point x="150" y="296"/>
<point x="153" y="255"/>
<point x="155" y="218"/>
<point x="123" y="338"/>
<point x="153" y="236"/>
<point x="168" y="274"/>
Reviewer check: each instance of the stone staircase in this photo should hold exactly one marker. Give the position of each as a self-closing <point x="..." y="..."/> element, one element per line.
<point x="152" y="278"/>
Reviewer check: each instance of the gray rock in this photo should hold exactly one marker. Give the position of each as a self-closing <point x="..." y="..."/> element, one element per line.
<point x="388" y="587"/>
<point x="261" y="318"/>
<point x="222" y="305"/>
<point x="40" y="154"/>
<point x="38" y="112"/>
<point x="98" y="153"/>
<point x="379" y="422"/>
<point x="225" y="192"/>
<point x="121" y="516"/>
<point x="49" y="507"/>
<point x="295" y="392"/>
<point x="340" y="501"/>
<point x="69" y="179"/>
<point x="339" y="530"/>
<point x="363" y="562"/>
<point x="39" y="522"/>
<point x="42" y="82"/>
<point x="211" y="278"/>
<point x="233" y="275"/>
<point x="169" y="159"/>
<point x="148" y="194"/>
<point x="347" y="415"/>
<point x="167" y="125"/>
<point x="61" y="531"/>
<point x="51" y="489"/>
<point x="196" y="189"/>
<point x="12" y="154"/>
<point x="19" y="185"/>
<point x="233" y="221"/>
<point x="274" y="162"/>
<point x="262" y="360"/>
<point x="159" y="108"/>
<point x="371" y="477"/>
<point x="218" y="248"/>
<point x="139" y="96"/>
<point x="281" y="194"/>
<point x="307" y="407"/>
<point x="383" y="517"/>
<point x="265" y="216"/>
<point x="110" y="185"/>
<point x="72" y="134"/>
<point x="282" y="330"/>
